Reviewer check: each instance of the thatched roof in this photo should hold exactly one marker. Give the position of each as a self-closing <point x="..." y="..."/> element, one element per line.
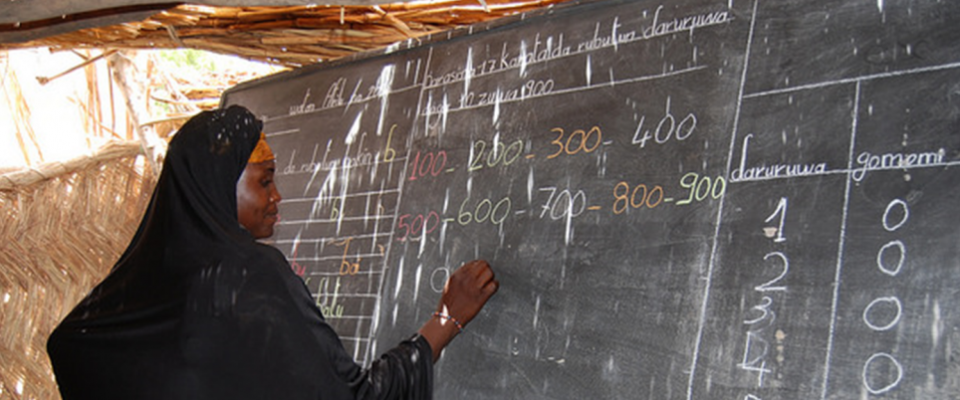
<point x="291" y="36"/>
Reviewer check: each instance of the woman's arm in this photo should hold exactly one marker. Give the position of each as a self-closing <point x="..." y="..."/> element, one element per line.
<point x="465" y="293"/>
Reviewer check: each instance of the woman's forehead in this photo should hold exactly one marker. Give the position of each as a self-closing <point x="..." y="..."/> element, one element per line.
<point x="261" y="168"/>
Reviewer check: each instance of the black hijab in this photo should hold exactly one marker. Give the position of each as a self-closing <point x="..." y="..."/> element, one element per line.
<point x="197" y="309"/>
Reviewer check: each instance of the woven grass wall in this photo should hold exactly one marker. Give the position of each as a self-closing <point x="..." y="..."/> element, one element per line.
<point x="62" y="226"/>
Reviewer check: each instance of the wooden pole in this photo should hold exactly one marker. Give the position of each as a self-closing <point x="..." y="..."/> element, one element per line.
<point x="132" y="84"/>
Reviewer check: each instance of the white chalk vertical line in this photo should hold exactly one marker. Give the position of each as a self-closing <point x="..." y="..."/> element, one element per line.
<point x="716" y="233"/>
<point x="843" y="234"/>
<point x="393" y="225"/>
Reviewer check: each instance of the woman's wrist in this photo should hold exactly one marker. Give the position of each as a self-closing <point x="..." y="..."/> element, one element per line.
<point x="439" y="331"/>
<point x="447" y="318"/>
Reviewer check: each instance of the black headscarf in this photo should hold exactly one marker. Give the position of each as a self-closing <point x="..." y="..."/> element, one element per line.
<point x="197" y="309"/>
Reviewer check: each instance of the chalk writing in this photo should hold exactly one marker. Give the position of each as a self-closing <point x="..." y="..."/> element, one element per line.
<point x="484" y="211"/>
<point x="665" y="27"/>
<point x="869" y="162"/>
<point x="499" y="154"/>
<point x="577" y="141"/>
<point x="327" y="300"/>
<point x="784" y="264"/>
<point x="304" y="106"/>
<point x="334" y="97"/>
<point x="701" y="187"/>
<point x="361" y="159"/>
<point x="480" y="69"/>
<point x="542" y="49"/>
<point x="759" y="336"/>
<point x="649" y="197"/>
<point x="607" y="40"/>
<point x="777" y="233"/>
<point x="389" y="154"/>
<point x="885" y="312"/>
<point x="743" y="173"/>
<point x="432" y="164"/>
<point x="347" y="267"/>
<point x="872" y="367"/>
<point x="563" y="205"/>
<point x="529" y="89"/>
<point x="667" y="128"/>
<point x="415" y="227"/>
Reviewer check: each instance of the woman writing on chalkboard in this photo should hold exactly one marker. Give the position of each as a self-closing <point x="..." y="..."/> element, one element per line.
<point x="197" y="309"/>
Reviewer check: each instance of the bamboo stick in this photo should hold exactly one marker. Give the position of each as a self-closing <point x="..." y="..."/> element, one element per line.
<point x="45" y="80"/>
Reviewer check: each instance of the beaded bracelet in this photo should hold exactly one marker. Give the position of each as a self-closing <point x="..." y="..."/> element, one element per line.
<point x="449" y="317"/>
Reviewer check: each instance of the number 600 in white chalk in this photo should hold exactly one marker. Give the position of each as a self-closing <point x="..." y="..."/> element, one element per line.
<point x="484" y="211"/>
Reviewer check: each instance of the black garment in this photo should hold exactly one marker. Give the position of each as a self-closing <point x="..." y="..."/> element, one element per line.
<point x="197" y="309"/>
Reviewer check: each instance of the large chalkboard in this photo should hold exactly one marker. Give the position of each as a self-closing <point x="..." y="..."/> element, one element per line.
<point x="682" y="200"/>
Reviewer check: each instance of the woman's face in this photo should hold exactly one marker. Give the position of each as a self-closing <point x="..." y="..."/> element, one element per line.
<point x="257" y="199"/>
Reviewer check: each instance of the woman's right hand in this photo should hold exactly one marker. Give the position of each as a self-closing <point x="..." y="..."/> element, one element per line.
<point x="467" y="291"/>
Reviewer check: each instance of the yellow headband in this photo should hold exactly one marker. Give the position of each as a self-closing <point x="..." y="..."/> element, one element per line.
<point x="262" y="152"/>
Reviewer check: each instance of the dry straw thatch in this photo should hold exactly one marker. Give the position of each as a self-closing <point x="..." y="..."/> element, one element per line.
<point x="63" y="226"/>
<point x="290" y="36"/>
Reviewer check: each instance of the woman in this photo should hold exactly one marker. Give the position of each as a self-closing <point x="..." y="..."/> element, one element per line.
<point x="197" y="309"/>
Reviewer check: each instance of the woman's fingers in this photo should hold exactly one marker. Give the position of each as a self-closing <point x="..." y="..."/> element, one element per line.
<point x="468" y="290"/>
<point x="491" y="287"/>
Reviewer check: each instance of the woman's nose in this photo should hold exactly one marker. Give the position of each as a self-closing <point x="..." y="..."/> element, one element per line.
<point x="275" y="195"/>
